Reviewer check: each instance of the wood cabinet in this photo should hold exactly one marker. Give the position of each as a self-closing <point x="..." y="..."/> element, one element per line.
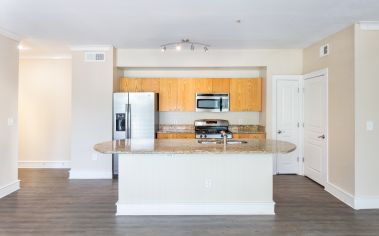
<point x="186" y="95"/>
<point x="175" y="135"/>
<point x="139" y="85"/>
<point x="179" y="94"/>
<point x="245" y="94"/>
<point x="260" y="136"/>
<point x="168" y="94"/>
<point x="221" y="85"/>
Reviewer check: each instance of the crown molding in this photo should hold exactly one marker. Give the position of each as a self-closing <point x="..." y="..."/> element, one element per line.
<point x="369" y="25"/>
<point x="46" y="57"/>
<point x="91" y="48"/>
<point x="10" y="35"/>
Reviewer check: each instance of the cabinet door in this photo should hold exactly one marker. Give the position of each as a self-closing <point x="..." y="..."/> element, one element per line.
<point x="246" y="94"/>
<point x="185" y="135"/>
<point x="168" y="94"/>
<point x="220" y="85"/>
<point x="237" y="94"/>
<point x="186" y="94"/>
<point x="166" y="135"/>
<point x="203" y="85"/>
<point x="130" y="84"/>
<point x="150" y="85"/>
<point x="254" y="94"/>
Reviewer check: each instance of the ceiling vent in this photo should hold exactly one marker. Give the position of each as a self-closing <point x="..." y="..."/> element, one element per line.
<point x="94" y="56"/>
<point x="324" y="50"/>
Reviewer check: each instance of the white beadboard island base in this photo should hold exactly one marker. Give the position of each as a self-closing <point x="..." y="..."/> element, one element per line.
<point x="192" y="184"/>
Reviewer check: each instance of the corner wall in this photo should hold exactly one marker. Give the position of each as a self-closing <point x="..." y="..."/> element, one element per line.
<point x="367" y="109"/>
<point x="340" y="64"/>
<point x="92" y="87"/>
<point x="8" y="114"/>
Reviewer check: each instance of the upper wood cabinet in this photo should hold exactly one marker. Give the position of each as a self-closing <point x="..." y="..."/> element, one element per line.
<point x="179" y="94"/>
<point x="246" y="94"/>
<point x="186" y="94"/>
<point x="139" y="85"/>
<point x="221" y="85"/>
<point x="168" y="94"/>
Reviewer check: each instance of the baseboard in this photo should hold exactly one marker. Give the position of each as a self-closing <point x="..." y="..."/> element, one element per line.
<point x="256" y="208"/>
<point x="9" y="188"/>
<point x="362" y="202"/>
<point x="45" y="164"/>
<point x="90" y="175"/>
<point x="340" y="194"/>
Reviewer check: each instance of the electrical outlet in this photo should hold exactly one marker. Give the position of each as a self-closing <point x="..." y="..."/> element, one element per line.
<point x="240" y="121"/>
<point x="369" y="125"/>
<point x="208" y="183"/>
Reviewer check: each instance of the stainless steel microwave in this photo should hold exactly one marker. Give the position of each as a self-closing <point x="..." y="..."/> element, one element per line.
<point x="212" y="102"/>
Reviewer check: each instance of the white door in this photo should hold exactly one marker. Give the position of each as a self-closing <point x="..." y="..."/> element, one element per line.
<point x="288" y="124"/>
<point x="315" y="128"/>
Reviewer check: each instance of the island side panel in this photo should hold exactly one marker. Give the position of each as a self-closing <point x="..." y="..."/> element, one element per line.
<point x="195" y="184"/>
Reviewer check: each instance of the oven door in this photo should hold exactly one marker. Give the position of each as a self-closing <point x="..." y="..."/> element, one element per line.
<point x="212" y="104"/>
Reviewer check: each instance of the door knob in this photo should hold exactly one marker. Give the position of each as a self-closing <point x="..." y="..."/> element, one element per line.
<point x="322" y="136"/>
<point x="279" y="131"/>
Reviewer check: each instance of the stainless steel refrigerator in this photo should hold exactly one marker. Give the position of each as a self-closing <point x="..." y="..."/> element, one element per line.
<point x="135" y="116"/>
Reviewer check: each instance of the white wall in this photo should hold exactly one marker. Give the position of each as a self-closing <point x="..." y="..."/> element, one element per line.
<point x="44" y="112"/>
<point x="340" y="64"/>
<point x="92" y="87"/>
<point x="277" y="62"/>
<point x="8" y="103"/>
<point x="367" y="109"/>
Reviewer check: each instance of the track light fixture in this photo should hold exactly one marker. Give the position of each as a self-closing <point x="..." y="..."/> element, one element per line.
<point x="185" y="43"/>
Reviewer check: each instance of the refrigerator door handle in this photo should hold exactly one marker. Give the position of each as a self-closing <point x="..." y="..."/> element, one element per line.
<point x="129" y="107"/>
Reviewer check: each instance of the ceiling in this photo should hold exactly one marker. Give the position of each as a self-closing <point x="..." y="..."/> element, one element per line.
<point x="150" y="23"/>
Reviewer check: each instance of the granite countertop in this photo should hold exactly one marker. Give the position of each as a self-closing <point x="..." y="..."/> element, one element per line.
<point x="191" y="146"/>
<point x="237" y="129"/>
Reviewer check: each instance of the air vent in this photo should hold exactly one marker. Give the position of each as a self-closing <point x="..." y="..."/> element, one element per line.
<point x="94" y="56"/>
<point x="324" y="50"/>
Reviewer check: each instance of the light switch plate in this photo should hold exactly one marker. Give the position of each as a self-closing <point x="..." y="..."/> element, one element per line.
<point x="10" y="121"/>
<point x="369" y="125"/>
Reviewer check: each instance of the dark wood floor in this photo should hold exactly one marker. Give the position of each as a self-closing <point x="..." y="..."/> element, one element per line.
<point x="50" y="204"/>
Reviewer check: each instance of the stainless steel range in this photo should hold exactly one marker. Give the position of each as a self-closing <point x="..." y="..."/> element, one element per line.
<point x="208" y="128"/>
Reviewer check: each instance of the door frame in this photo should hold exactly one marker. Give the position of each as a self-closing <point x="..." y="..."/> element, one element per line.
<point x="299" y="78"/>
<point x="314" y="74"/>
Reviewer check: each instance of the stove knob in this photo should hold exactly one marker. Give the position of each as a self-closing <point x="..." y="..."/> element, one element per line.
<point x="205" y="136"/>
<point x="201" y="136"/>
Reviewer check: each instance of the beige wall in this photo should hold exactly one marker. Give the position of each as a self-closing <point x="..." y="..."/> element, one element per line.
<point x="278" y="62"/>
<point x="366" y="109"/>
<point x="8" y="104"/>
<point x="92" y="87"/>
<point x="340" y="64"/>
<point x="44" y="110"/>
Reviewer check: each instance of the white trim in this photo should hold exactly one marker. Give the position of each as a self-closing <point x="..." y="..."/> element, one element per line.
<point x="275" y="78"/>
<point x="340" y="194"/>
<point x="253" y="208"/>
<point x="369" y="25"/>
<point x="90" y="175"/>
<point x="315" y="74"/>
<point x="91" y="48"/>
<point x="362" y="202"/>
<point x="44" y="164"/>
<point x="9" y="35"/>
<point x="9" y="188"/>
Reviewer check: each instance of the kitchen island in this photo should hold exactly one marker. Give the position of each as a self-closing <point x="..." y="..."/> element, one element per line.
<point x="185" y="177"/>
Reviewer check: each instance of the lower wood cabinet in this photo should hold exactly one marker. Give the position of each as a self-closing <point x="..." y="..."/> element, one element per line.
<point x="249" y="136"/>
<point x="175" y="135"/>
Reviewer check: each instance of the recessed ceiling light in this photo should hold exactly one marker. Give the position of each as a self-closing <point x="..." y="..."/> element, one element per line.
<point x="20" y="47"/>
<point x="178" y="47"/>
